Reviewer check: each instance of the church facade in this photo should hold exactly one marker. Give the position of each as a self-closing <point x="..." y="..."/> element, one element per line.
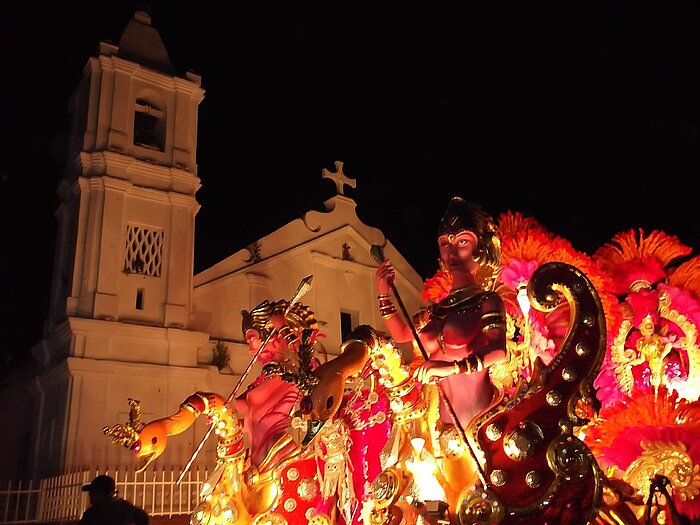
<point x="128" y="317"/>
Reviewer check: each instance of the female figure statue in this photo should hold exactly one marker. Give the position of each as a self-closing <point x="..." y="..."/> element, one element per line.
<point x="463" y="331"/>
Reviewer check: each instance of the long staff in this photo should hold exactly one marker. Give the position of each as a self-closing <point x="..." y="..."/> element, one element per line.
<point x="378" y="255"/>
<point x="304" y="286"/>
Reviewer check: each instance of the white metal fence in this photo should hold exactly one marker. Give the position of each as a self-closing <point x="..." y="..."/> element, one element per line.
<point x="60" y="499"/>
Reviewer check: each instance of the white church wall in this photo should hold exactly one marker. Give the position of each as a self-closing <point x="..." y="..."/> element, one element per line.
<point x="100" y="394"/>
<point x="338" y="285"/>
<point x="50" y="424"/>
<point x="97" y="339"/>
<point x="217" y="306"/>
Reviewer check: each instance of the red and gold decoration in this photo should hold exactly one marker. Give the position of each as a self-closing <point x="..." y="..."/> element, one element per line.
<point x="598" y="418"/>
<point x="647" y="432"/>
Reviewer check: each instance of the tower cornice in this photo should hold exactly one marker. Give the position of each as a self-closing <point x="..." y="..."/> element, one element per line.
<point x="151" y="76"/>
<point x="138" y="172"/>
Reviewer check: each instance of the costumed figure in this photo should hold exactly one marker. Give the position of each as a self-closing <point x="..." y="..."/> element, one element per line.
<point x="463" y="331"/>
<point x="647" y="434"/>
<point x="282" y="475"/>
<point x="530" y="466"/>
<point x="399" y="460"/>
<point x="274" y="480"/>
<point x="274" y="332"/>
<point x="346" y="420"/>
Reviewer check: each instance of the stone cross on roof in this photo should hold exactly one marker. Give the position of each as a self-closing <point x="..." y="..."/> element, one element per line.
<point x="338" y="177"/>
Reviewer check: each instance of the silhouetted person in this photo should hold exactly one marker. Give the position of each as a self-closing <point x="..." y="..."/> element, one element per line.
<point x="659" y="484"/>
<point x="106" y="508"/>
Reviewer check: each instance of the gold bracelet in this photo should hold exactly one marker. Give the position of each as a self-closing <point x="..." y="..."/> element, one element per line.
<point x="387" y="310"/>
<point x="469" y="364"/>
<point x="386" y="307"/>
<point x="475" y="363"/>
<point x="351" y="341"/>
<point x="491" y="320"/>
<point x="463" y="366"/>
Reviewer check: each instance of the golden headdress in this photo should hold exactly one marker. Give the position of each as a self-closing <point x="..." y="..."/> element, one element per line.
<point x="298" y="317"/>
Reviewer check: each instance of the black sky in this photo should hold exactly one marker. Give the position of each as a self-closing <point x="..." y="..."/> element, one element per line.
<point x="584" y="115"/>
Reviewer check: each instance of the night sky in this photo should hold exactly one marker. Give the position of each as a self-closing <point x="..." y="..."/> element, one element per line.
<point x="583" y="115"/>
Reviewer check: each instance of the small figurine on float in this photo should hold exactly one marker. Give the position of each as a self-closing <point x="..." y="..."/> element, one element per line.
<point x="647" y="434"/>
<point x="398" y="459"/>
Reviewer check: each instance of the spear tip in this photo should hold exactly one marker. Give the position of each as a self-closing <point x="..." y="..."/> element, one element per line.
<point x="304" y="286"/>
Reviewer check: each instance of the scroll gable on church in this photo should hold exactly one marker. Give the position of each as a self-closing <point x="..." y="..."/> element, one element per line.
<point x="340" y="213"/>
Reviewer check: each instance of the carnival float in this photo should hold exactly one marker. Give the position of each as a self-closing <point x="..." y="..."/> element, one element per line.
<point x="596" y="417"/>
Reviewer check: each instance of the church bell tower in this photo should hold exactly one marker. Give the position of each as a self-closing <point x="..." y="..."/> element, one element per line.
<point x="126" y="220"/>
<point x="121" y="298"/>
